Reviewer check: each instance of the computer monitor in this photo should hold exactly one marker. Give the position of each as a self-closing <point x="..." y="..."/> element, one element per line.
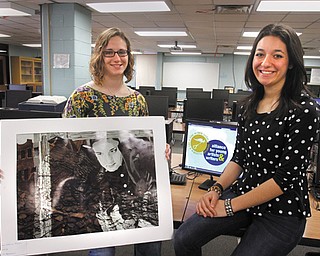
<point x="208" y="147"/>
<point x="18" y="87"/>
<point x="10" y="113"/>
<point x="146" y="90"/>
<point x="158" y="105"/>
<point x="317" y="100"/>
<point x="13" y="98"/>
<point x="170" y="92"/>
<point x="220" y="94"/>
<point x="236" y="97"/>
<point x="199" y="95"/>
<point x="189" y="90"/>
<point x="203" y="109"/>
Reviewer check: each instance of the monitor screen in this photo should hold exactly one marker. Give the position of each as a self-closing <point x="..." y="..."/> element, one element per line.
<point x="317" y="100"/>
<point x="146" y="90"/>
<point x="203" y="109"/>
<point x="157" y="105"/>
<point x="236" y="97"/>
<point x="14" y="97"/>
<point x="208" y="147"/>
<point x="220" y="94"/>
<point x="199" y="95"/>
<point x="170" y="92"/>
<point x="17" y="87"/>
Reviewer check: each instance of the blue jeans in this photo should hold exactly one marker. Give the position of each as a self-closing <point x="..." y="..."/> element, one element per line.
<point x="268" y="235"/>
<point x="144" y="249"/>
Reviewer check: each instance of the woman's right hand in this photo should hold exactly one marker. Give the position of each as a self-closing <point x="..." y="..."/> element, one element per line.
<point x="205" y="206"/>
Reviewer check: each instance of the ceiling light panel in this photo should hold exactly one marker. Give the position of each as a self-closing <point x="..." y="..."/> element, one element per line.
<point x="3" y="35"/>
<point x="11" y="9"/>
<point x="161" y="33"/>
<point x="186" y="46"/>
<point x="289" y="6"/>
<point x="115" y="7"/>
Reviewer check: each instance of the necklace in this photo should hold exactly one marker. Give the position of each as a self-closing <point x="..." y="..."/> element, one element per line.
<point x="114" y="94"/>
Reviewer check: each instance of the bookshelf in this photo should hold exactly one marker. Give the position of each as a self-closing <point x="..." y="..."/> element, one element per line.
<point x="26" y="70"/>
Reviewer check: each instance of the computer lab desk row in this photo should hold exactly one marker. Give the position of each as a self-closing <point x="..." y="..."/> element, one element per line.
<point x="185" y="197"/>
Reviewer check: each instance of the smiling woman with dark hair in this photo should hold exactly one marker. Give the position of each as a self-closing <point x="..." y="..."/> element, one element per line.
<point x="277" y="125"/>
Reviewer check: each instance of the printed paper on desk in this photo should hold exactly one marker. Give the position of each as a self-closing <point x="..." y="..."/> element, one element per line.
<point x="73" y="184"/>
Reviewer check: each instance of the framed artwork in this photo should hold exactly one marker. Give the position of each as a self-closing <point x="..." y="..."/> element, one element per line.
<point x="75" y="184"/>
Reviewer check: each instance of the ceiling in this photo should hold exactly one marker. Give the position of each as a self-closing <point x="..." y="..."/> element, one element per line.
<point x="212" y="32"/>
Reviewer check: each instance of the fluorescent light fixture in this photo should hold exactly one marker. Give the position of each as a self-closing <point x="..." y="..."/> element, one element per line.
<point x="244" y="47"/>
<point x="3" y="35"/>
<point x="32" y="45"/>
<point x="185" y="53"/>
<point x="255" y="34"/>
<point x="161" y="33"/>
<point x="136" y="52"/>
<point x="185" y="46"/>
<point x="11" y="9"/>
<point x="289" y="6"/>
<point x="311" y="57"/>
<point x="3" y="51"/>
<point x="250" y="34"/>
<point x="114" y="7"/>
<point x="241" y="53"/>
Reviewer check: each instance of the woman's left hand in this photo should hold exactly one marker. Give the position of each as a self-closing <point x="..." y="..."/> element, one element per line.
<point x="168" y="151"/>
<point x="1" y="175"/>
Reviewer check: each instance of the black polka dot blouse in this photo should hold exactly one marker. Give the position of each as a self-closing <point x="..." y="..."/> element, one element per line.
<point x="271" y="147"/>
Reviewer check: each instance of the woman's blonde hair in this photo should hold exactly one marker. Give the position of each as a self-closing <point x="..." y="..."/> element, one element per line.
<point x="97" y="68"/>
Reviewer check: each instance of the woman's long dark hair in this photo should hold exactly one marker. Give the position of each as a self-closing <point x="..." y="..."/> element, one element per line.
<point x="296" y="77"/>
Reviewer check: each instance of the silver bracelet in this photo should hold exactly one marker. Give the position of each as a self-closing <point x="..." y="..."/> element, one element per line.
<point x="228" y="207"/>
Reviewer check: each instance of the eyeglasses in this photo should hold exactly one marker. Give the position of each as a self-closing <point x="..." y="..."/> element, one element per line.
<point x="111" y="53"/>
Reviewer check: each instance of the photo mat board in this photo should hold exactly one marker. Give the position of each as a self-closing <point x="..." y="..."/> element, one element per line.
<point x="75" y="184"/>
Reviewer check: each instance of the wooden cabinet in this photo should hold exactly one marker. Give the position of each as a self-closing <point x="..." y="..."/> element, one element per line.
<point x="26" y="70"/>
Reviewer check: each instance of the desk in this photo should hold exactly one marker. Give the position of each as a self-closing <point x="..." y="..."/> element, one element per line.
<point x="178" y="127"/>
<point x="189" y="195"/>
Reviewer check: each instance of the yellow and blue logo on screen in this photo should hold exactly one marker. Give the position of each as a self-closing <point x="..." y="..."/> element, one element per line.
<point x="215" y="152"/>
<point x="198" y="142"/>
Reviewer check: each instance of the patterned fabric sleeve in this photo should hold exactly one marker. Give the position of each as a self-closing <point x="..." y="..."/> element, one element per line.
<point x="302" y="130"/>
<point x="70" y="109"/>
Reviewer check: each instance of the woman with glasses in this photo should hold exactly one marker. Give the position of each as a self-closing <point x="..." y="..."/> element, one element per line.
<point x="108" y="95"/>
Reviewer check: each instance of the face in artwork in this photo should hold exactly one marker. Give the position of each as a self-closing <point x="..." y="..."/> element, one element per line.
<point x="108" y="154"/>
<point x="271" y="62"/>
<point x="116" y="65"/>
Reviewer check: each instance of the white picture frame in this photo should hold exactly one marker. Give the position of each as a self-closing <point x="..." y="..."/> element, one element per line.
<point x="70" y="130"/>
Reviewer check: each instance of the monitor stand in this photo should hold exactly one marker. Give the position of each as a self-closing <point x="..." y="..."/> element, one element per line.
<point x="207" y="183"/>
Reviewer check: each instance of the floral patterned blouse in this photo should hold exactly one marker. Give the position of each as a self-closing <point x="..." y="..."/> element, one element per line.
<point x="88" y="102"/>
<point x="272" y="147"/>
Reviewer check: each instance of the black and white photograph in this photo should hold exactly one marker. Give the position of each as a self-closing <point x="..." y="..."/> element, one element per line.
<point x="89" y="182"/>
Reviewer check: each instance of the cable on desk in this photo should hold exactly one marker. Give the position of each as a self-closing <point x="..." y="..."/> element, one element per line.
<point x="188" y="199"/>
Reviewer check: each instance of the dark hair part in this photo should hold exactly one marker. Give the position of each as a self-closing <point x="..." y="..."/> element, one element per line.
<point x="97" y="68"/>
<point x="296" y="77"/>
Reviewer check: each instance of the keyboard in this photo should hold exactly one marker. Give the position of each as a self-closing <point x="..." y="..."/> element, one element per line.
<point x="178" y="179"/>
